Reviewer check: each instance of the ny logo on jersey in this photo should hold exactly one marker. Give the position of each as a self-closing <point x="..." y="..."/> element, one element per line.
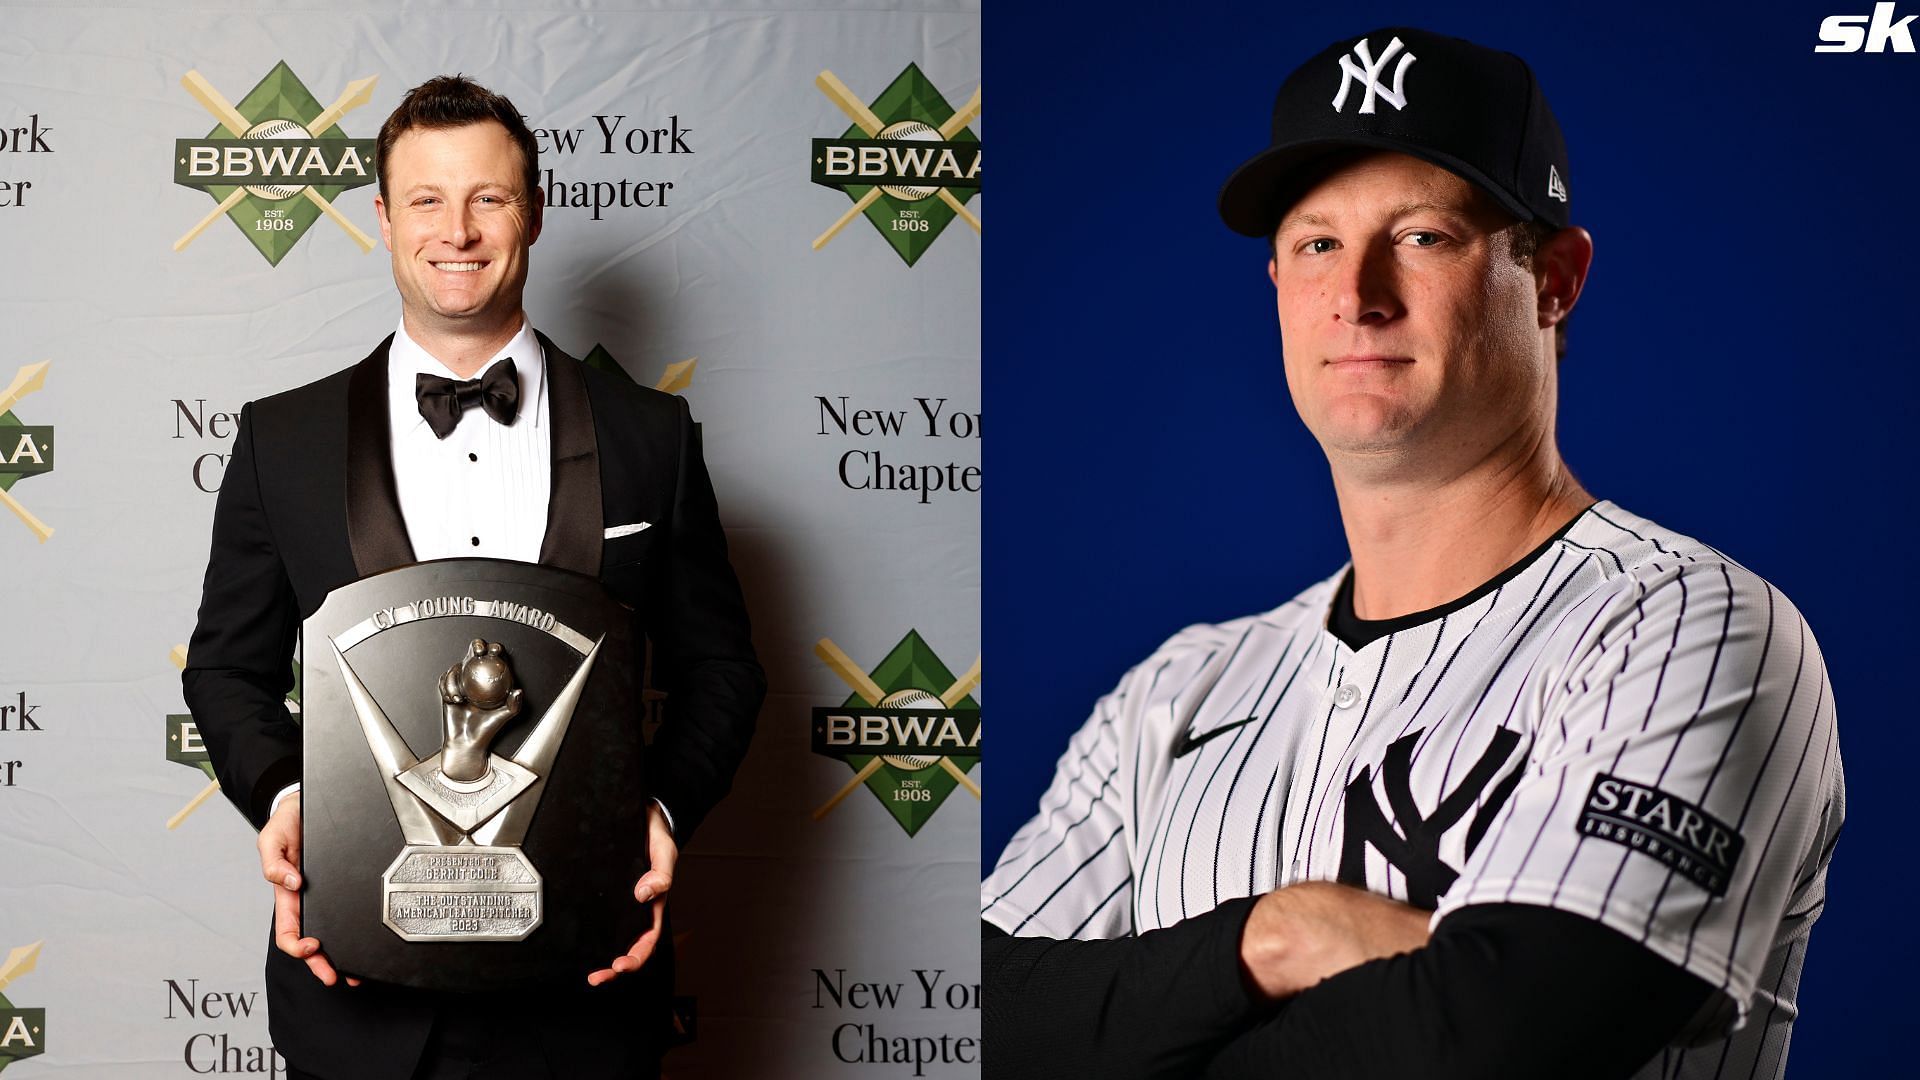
<point x="1368" y="73"/>
<point x="1415" y="849"/>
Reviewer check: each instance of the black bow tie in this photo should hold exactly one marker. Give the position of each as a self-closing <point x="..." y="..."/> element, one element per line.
<point x="442" y="400"/>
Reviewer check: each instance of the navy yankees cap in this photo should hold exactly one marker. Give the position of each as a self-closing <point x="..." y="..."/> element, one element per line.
<point x="1474" y="111"/>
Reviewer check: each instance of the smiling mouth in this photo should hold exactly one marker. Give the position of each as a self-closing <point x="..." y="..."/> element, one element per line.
<point x="458" y="267"/>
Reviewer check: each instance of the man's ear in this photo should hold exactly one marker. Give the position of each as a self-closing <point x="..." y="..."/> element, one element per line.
<point x="386" y="227"/>
<point x="1560" y="272"/>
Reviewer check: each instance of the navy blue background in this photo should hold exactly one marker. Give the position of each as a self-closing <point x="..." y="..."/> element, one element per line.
<point x="1741" y="368"/>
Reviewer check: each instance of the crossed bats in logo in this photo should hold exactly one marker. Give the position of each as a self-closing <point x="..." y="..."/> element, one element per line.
<point x="29" y="378"/>
<point x="869" y="691"/>
<point x="357" y="93"/>
<point x="870" y="124"/>
<point x="20" y="961"/>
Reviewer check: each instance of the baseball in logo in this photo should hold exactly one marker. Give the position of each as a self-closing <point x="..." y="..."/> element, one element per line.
<point x="23" y="1032"/>
<point x="275" y="160"/>
<point x="908" y="162"/>
<point x="25" y="449"/>
<point x="910" y="730"/>
<point x="185" y="748"/>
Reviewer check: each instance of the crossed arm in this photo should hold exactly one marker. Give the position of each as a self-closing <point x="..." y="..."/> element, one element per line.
<point x="1323" y="980"/>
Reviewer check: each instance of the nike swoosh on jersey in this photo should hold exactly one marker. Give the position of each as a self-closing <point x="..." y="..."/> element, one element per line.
<point x="1188" y="742"/>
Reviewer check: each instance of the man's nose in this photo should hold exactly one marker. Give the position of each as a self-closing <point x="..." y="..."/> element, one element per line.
<point x="460" y="225"/>
<point x="1368" y="291"/>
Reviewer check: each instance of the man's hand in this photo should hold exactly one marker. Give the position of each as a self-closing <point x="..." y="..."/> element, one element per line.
<point x="1310" y="931"/>
<point x="651" y="890"/>
<point x="279" y="859"/>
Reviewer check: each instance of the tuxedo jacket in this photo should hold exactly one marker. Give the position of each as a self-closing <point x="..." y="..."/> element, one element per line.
<point x="308" y="504"/>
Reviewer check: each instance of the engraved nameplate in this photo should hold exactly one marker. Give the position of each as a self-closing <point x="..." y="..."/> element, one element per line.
<point x="465" y="893"/>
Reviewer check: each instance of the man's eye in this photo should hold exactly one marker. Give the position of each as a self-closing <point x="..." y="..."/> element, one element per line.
<point x="1423" y="238"/>
<point x="1318" y="246"/>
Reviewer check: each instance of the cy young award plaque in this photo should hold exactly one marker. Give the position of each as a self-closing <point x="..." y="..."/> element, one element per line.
<point x="473" y="804"/>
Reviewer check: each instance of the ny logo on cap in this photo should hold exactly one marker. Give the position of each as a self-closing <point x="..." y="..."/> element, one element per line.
<point x="1369" y="76"/>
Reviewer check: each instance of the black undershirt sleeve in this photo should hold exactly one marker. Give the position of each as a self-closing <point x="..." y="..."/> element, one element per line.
<point x="1156" y="1005"/>
<point x="1501" y="990"/>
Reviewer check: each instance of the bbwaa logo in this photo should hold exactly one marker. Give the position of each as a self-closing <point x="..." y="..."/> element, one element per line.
<point x="910" y="730"/>
<point x="275" y="162"/>
<point x="1367" y="74"/>
<point x="23" y="1032"/>
<point x="1869" y="33"/>
<point x="185" y="748"/>
<point x="25" y="449"/>
<point x="908" y="162"/>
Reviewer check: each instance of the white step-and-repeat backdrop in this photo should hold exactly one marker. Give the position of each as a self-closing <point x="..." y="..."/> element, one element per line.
<point x="705" y="233"/>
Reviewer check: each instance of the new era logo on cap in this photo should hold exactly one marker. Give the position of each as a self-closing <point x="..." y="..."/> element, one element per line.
<point x="1556" y="189"/>
<point x="1368" y="74"/>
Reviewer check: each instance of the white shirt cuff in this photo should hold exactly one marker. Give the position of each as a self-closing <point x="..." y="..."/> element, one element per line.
<point x="656" y="802"/>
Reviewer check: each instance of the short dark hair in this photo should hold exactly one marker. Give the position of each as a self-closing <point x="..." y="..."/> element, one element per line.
<point x="450" y="101"/>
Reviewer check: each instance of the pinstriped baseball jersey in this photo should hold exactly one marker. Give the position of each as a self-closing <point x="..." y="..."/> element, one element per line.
<point x="1627" y="726"/>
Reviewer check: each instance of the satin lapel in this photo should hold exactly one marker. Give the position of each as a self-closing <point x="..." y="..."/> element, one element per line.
<point x="375" y="528"/>
<point x="574" y="519"/>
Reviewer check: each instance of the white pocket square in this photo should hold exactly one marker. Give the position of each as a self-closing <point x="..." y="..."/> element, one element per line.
<point x="627" y="530"/>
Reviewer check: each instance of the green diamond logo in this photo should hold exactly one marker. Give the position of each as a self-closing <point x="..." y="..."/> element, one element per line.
<point x="23" y="1032"/>
<point x="909" y="162"/>
<point x="184" y="746"/>
<point x="275" y="160"/>
<point x="25" y="449"/>
<point x="910" y="730"/>
<point x="675" y="378"/>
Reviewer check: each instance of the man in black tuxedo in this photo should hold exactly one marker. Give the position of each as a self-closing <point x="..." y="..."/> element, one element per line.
<point x="340" y="479"/>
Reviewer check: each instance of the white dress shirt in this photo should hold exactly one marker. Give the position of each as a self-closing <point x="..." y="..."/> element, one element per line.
<point x="482" y="490"/>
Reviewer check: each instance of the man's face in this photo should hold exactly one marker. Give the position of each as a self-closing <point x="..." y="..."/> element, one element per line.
<point x="1411" y="336"/>
<point x="459" y="225"/>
